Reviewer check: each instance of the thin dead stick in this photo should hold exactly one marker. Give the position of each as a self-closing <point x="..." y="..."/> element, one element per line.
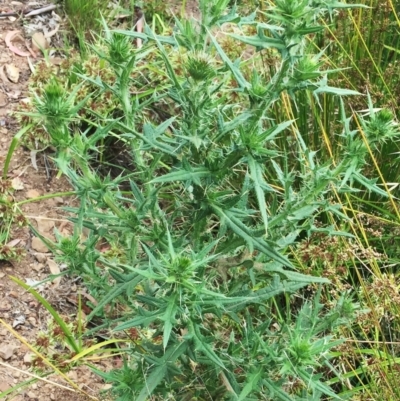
<point x="37" y="377"/>
<point x="138" y="24"/>
<point x="46" y="218"/>
<point x="30" y="13"/>
<point x="41" y="10"/>
<point x="139" y="28"/>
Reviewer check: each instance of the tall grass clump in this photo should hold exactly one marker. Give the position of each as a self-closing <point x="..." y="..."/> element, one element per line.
<point x="217" y="210"/>
<point x="363" y="44"/>
<point x="84" y="18"/>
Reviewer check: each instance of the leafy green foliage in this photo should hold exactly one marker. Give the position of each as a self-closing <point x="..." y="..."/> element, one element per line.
<point x="189" y="241"/>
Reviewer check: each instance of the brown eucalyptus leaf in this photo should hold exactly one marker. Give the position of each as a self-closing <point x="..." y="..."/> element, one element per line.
<point x="39" y="42"/>
<point x="12" y="73"/>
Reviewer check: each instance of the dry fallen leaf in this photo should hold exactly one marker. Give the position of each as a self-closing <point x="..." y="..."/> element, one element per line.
<point x="14" y="94"/>
<point x="32" y="193"/>
<point x="56" y="60"/>
<point x="54" y="269"/>
<point x="12" y="73"/>
<point x="33" y="159"/>
<point x="6" y="351"/>
<point x="17" y="184"/>
<point x="8" y="39"/>
<point x="14" y="242"/>
<point x="34" y="284"/>
<point x="18" y="321"/>
<point x="53" y="32"/>
<point x="39" y="42"/>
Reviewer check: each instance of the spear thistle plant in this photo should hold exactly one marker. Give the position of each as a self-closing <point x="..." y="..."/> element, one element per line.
<point x="196" y="266"/>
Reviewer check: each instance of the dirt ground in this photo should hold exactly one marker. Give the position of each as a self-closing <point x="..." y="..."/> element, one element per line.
<point x="19" y="312"/>
<point x="17" y="308"/>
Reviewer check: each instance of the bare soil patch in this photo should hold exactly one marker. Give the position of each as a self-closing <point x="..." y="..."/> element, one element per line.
<point x="18" y="309"/>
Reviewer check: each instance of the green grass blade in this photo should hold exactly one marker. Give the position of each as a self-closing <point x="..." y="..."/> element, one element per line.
<point x="13" y="145"/>
<point x="68" y="335"/>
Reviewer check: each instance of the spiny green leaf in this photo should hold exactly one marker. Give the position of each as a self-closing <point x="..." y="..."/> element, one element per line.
<point x="338" y="4"/>
<point x="336" y="91"/>
<point x="243" y="231"/>
<point x="169" y="318"/>
<point x="292" y="275"/>
<point x="316" y="384"/>
<point x="162" y="366"/>
<point x="201" y="345"/>
<point x="262" y="43"/>
<point x="163" y="147"/>
<point x="369" y="184"/>
<point x="259" y="186"/>
<point x="139" y="320"/>
<point x="152" y="381"/>
<point x="271" y="133"/>
<point x="114" y="293"/>
<point x="183" y="175"/>
<point x="251" y="383"/>
<point x="235" y="71"/>
<point x="276" y="391"/>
